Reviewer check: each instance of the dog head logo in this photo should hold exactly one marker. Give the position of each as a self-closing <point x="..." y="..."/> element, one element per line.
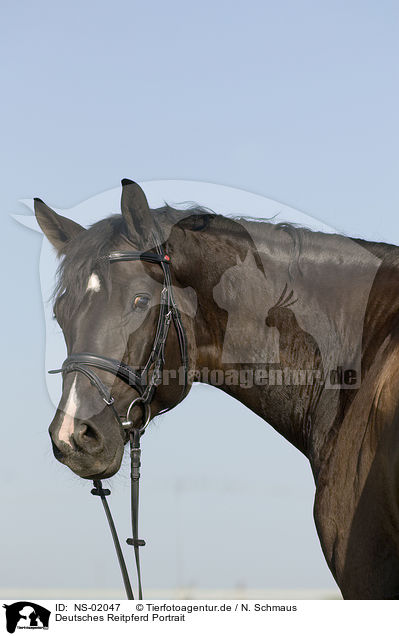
<point x="26" y="615"/>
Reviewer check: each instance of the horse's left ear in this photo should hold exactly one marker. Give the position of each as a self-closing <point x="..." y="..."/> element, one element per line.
<point x="58" y="229"/>
<point x="136" y="212"/>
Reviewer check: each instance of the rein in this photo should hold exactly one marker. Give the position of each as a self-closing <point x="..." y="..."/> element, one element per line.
<point x="145" y="383"/>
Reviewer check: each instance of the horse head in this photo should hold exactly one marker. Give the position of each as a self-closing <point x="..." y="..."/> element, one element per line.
<point x="116" y="302"/>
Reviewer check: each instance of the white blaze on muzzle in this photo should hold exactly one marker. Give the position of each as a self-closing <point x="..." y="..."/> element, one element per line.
<point x="67" y="424"/>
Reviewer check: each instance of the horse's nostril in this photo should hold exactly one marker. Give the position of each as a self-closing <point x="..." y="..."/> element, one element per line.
<point x="85" y="434"/>
<point x="88" y="431"/>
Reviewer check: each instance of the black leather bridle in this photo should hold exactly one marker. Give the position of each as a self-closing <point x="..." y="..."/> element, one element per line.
<point x="144" y="382"/>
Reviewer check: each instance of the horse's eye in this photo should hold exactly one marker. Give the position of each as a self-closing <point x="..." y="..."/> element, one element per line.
<point x="141" y="301"/>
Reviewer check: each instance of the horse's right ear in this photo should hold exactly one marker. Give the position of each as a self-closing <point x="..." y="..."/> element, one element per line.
<point x="58" y="229"/>
<point x="136" y="212"/>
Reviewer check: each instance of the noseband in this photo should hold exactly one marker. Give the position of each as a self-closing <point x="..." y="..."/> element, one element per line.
<point x="145" y="383"/>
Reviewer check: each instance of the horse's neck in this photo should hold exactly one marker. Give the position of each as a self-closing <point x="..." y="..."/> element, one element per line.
<point x="284" y="362"/>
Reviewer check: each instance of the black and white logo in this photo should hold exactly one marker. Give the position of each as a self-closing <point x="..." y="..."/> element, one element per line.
<point x="26" y="615"/>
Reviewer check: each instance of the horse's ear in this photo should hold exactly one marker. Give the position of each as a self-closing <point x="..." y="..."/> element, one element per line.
<point x="136" y="212"/>
<point x="58" y="229"/>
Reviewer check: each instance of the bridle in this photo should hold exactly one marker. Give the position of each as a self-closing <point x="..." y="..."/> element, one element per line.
<point x="145" y="383"/>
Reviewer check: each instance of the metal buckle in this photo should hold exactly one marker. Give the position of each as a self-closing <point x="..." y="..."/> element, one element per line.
<point x="128" y="424"/>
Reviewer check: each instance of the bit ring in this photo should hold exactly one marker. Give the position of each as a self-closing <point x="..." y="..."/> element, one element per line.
<point x="146" y="411"/>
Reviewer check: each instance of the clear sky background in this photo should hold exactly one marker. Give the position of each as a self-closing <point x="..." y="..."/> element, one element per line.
<point x="293" y="100"/>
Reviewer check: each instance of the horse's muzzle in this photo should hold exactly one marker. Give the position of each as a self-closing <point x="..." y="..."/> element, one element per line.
<point x="89" y="450"/>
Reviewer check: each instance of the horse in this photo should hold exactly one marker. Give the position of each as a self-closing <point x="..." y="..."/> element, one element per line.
<point x="312" y="316"/>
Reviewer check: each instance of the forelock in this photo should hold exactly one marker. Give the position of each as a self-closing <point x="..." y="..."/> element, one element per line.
<point x="83" y="256"/>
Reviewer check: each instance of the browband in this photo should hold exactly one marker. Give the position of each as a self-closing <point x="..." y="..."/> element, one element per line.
<point x="150" y="257"/>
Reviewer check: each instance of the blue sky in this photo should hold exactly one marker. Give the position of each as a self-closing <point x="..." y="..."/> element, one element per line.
<point x="293" y="100"/>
